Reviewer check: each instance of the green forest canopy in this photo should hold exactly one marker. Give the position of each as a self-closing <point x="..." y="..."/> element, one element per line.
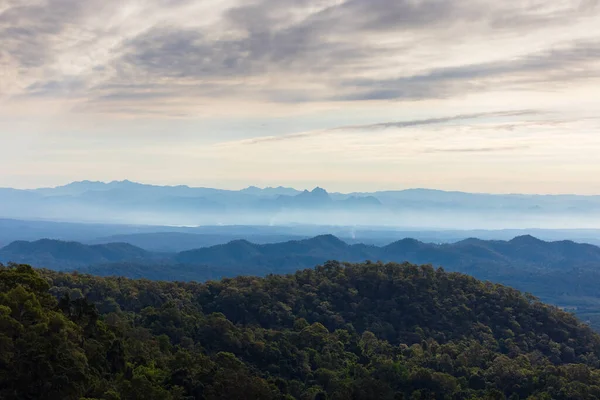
<point x="352" y="331"/>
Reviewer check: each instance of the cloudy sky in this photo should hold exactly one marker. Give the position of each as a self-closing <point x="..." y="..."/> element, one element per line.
<point x="475" y="95"/>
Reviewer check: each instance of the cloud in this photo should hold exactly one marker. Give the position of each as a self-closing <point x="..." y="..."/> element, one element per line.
<point x="295" y="52"/>
<point x="430" y="121"/>
<point x="395" y="124"/>
<point x="29" y="28"/>
<point x="570" y="63"/>
<point x="490" y="149"/>
<point x="54" y="88"/>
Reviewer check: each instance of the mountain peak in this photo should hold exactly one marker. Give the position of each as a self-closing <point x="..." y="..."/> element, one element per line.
<point x="270" y="191"/>
<point x="328" y="238"/>
<point x="316" y="193"/>
<point x="317" y="196"/>
<point x="125" y="182"/>
<point x="75" y="184"/>
<point x="406" y="244"/>
<point x="526" y="239"/>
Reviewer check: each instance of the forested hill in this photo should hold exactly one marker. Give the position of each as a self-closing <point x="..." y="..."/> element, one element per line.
<point x="368" y="331"/>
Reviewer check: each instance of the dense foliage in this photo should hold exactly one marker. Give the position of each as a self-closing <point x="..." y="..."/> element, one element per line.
<point x="368" y="331"/>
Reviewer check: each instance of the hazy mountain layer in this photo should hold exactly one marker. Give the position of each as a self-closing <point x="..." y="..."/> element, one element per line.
<point x="133" y="203"/>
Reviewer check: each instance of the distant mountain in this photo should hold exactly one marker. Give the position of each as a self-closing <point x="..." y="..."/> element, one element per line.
<point x="490" y="258"/>
<point x="317" y="198"/>
<point x="193" y="237"/>
<point x="172" y="242"/>
<point x="62" y="255"/>
<point x="360" y="202"/>
<point x="270" y="191"/>
<point x="526" y="252"/>
<point x="78" y="188"/>
<point x="135" y="203"/>
<point x="287" y="256"/>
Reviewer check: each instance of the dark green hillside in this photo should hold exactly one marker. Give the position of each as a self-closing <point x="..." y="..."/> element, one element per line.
<point x="368" y="331"/>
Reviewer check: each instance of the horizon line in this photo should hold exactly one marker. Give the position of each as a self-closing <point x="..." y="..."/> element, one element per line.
<point x="250" y="186"/>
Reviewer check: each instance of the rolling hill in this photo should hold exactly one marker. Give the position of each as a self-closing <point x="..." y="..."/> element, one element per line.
<point x="524" y="251"/>
<point x="58" y="254"/>
<point x="491" y="258"/>
<point x="362" y="331"/>
<point x="173" y="242"/>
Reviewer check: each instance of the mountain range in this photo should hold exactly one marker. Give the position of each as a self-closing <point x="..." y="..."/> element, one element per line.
<point x="135" y="203"/>
<point x="171" y="239"/>
<point x="525" y="251"/>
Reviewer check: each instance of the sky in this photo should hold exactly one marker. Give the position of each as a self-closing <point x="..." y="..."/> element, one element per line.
<point x="354" y="95"/>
